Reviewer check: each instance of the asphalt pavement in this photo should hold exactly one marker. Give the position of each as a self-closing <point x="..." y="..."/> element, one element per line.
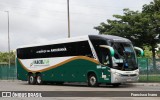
<point x="78" y="91"/>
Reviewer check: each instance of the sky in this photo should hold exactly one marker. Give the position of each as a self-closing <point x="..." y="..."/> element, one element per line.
<point x="39" y="21"/>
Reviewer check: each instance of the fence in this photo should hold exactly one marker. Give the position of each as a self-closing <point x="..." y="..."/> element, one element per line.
<point x="8" y="73"/>
<point x="148" y="73"/>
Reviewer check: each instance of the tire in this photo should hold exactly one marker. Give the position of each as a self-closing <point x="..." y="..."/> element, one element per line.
<point x="39" y="79"/>
<point x="31" y="79"/>
<point x="92" y="80"/>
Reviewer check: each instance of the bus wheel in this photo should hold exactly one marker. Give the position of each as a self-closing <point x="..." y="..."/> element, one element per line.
<point x="92" y="80"/>
<point x="39" y="79"/>
<point x="31" y="79"/>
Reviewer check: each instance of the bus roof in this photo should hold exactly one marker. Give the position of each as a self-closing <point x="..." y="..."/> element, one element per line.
<point x="62" y="40"/>
<point x="80" y="38"/>
<point x="110" y="38"/>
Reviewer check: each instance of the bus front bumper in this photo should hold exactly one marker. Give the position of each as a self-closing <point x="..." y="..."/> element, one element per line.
<point x="124" y="76"/>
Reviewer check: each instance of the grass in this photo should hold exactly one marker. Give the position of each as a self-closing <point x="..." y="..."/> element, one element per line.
<point x="151" y="78"/>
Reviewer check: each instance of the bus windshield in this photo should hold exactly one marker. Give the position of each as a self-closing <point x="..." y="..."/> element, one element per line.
<point x="124" y="57"/>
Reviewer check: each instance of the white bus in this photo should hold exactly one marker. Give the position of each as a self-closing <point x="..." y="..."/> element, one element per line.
<point x="93" y="59"/>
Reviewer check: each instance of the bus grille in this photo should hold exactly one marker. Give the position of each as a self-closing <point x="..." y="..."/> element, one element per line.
<point x="128" y="75"/>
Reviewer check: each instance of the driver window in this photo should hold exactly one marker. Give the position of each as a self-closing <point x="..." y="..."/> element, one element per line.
<point x="104" y="56"/>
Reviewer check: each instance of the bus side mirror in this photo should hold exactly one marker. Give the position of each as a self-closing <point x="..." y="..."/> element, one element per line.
<point x="109" y="48"/>
<point x="139" y="50"/>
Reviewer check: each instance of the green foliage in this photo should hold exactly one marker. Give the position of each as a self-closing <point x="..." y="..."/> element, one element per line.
<point x="147" y="52"/>
<point x="4" y="56"/>
<point x="158" y="54"/>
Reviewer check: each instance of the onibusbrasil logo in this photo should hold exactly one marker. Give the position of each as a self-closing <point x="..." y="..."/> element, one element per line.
<point x="40" y="62"/>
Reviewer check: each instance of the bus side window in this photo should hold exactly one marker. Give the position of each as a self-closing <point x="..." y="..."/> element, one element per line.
<point x="83" y="49"/>
<point x="19" y="53"/>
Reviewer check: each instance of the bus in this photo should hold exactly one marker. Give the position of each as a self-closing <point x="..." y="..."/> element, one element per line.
<point x="93" y="59"/>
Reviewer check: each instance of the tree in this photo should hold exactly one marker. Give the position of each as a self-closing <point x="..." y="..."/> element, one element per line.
<point x="153" y="11"/>
<point x="4" y="57"/>
<point x="142" y="28"/>
<point x="126" y="25"/>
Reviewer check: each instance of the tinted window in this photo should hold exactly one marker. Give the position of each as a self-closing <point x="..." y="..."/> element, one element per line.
<point x="56" y="50"/>
<point x="96" y="44"/>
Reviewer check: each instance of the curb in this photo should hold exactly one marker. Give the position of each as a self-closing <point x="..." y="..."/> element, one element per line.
<point x="145" y="84"/>
<point x="133" y="84"/>
<point x="10" y="80"/>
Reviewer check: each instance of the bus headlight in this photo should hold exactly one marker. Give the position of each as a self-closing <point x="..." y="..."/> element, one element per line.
<point x="137" y="71"/>
<point x="118" y="74"/>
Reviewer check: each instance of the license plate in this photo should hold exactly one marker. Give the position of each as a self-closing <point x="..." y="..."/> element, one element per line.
<point x="129" y="80"/>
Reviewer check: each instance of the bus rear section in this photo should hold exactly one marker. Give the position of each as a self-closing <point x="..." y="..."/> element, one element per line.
<point x="71" y="61"/>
